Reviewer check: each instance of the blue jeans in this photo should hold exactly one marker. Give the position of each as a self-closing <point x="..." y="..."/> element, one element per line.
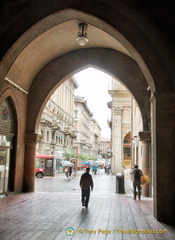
<point x="85" y="195"/>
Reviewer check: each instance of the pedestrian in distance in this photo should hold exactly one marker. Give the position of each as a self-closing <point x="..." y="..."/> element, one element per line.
<point x="86" y="184"/>
<point x="94" y="169"/>
<point x="70" y="171"/>
<point x="136" y="174"/>
<point x="66" y="171"/>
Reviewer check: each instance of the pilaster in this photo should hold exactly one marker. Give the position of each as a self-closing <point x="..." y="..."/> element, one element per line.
<point x="117" y="166"/>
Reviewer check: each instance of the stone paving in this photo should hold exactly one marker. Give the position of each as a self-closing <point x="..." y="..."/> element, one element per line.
<point x="55" y="207"/>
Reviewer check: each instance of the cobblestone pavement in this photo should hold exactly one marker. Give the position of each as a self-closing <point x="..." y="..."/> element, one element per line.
<point x="55" y="207"/>
<point x="103" y="183"/>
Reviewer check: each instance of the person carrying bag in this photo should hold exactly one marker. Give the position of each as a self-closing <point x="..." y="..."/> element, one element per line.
<point x="136" y="177"/>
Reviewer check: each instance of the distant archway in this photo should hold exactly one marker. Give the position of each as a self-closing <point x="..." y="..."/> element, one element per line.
<point x="127" y="150"/>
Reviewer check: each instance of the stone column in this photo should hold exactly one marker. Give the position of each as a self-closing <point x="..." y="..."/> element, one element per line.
<point x="117" y="147"/>
<point x="164" y="167"/>
<point x="145" y="137"/>
<point x="29" y="161"/>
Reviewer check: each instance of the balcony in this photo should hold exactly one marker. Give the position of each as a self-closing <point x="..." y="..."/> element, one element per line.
<point x="73" y="134"/>
<point x="83" y="142"/>
<point x="90" y="145"/>
<point x="67" y="130"/>
<point x="55" y="125"/>
<point x="46" y="118"/>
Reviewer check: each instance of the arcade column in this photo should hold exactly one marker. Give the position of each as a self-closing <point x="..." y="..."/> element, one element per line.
<point x="145" y="138"/>
<point x="29" y="161"/>
<point x="117" y="145"/>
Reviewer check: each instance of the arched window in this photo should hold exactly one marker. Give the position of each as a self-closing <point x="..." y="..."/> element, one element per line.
<point x="7" y="118"/>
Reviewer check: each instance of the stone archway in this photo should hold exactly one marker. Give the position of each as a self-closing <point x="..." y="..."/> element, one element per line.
<point x="12" y="131"/>
<point x="152" y="42"/>
<point x="58" y="70"/>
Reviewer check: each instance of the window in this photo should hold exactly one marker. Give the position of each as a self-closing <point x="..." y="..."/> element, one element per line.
<point x="48" y="136"/>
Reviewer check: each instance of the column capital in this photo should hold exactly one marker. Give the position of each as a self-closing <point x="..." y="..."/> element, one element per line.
<point x="118" y="110"/>
<point x="32" y="138"/>
<point x="145" y="136"/>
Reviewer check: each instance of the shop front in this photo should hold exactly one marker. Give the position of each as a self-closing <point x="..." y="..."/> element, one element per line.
<point x="7" y="161"/>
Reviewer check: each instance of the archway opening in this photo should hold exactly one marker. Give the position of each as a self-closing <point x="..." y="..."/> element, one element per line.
<point x="127" y="151"/>
<point x="40" y="74"/>
<point x="57" y="128"/>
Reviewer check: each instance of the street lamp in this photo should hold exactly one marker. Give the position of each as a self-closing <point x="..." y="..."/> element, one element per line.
<point x="82" y="35"/>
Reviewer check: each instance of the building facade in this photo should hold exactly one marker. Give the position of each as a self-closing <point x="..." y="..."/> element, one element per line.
<point x="121" y="127"/>
<point x="57" y="121"/>
<point x="88" y="131"/>
<point x="130" y="144"/>
<point x="95" y="138"/>
<point x="105" y="148"/>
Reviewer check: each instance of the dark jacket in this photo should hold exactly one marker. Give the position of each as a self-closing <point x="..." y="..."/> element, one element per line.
<point x="86" y="181"/>
<point x="133" y="172"/>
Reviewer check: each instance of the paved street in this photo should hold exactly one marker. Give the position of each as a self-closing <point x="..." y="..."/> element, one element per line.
<point x="61" y="183"/>
<point x="56" y="207"/>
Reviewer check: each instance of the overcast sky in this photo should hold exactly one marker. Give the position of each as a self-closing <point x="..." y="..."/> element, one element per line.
<point x="94" y="86"/>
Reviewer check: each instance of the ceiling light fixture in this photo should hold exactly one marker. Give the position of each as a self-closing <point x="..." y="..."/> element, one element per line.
<point x="82" y="35"/>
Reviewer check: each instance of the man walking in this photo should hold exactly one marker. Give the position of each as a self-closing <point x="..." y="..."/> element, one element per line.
<point x="86" y="182"/>
<point x="136" y="174"/>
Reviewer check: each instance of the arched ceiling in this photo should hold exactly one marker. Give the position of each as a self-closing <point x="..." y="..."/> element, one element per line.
<point x="53" y="43"/>
<point x="56" y="35"/>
